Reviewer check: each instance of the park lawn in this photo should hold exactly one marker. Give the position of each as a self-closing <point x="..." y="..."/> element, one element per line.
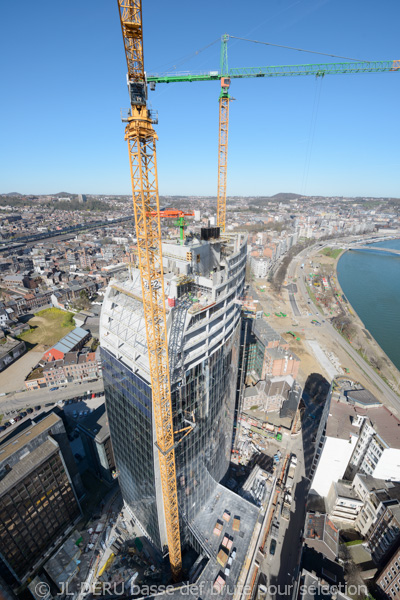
<point x="47" y="327"/>
<point x="332" y="252"/>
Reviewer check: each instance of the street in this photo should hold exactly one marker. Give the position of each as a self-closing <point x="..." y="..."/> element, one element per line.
<point x="295" y="271"/>
<point x="16" y="401"/>
<point x="281" y="569"/>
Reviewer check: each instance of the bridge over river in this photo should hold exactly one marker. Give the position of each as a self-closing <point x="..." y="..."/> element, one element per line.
<point x="375" y="249"/>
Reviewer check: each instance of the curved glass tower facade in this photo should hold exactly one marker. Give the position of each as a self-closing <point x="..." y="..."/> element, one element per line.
<point x="203" y="280"/>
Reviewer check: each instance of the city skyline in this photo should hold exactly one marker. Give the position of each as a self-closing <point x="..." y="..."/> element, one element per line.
<point x="334" y="136"/>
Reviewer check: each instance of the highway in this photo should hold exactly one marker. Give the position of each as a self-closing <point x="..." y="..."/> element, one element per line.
<point x="294" y="271"/>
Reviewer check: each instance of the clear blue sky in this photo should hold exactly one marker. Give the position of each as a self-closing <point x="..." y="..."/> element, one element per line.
<point x="63" y="81"/>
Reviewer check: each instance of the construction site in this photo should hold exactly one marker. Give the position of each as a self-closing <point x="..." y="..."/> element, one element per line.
<point x="201" y="392"/>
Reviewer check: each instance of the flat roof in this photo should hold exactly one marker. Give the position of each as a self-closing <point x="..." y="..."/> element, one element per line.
<point x="386" y="425"/>
<point x="222" y="500"/>
<point x="363" y="397"/>
<point x="346" y="490"/>
<point x="265" y="332"/>
<point x="96" y="424"/>
<point x="27" y="464"/>
<point x="341" y="415"/>
<point x="17" y="442"/>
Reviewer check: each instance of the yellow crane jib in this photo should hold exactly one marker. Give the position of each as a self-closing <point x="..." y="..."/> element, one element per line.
<point x="141" y="139"/>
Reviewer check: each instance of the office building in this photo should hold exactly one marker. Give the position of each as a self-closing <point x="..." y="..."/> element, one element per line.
<point x="38" y="501"/>
<point x="203" y="280"/>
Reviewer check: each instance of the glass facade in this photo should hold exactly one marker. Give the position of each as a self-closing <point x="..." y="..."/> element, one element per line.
<point x="128" y="401"/>
<point x="207" y="398"/>
<point x="34" y="513"/>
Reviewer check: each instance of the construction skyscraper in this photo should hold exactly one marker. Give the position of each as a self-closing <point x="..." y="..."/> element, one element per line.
<point x="203" y="280"/>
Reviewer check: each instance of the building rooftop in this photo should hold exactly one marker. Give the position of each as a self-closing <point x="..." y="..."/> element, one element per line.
<point x="222" y="501"/>
<point x="372" y="483"/>
<point x="17" y="442"/>
<point x="266" y="333"/>
<point x="362" y="397"/>
<point x="291" y="403"/>
<point x="321" y="566"/>
<point x="7" y="344"/>
<point x="386" y="425"/>
<point x="321" y="534"/>
<point x="74" y="337"/>
<point x="345" y="490"/>
<point x="96" y="424"/>
<point x="26" y="465"/>
<point x="343" y="415"/>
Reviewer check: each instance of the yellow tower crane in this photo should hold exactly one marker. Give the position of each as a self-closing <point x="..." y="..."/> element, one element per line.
<point x="141" y="139"/>
<point x="223" y="130"/>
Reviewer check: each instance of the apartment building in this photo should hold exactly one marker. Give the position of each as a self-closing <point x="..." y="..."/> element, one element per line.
<point x="384" y="535"/>
<point x="343" y="503"/>
<point x="376" y="495"/>
<point x="355" y="439"/>
<point x="389" y="578"/>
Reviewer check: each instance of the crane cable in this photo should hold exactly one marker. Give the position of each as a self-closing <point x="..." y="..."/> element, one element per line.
<point x="310" y="142"/>
<point x="297" y="49"/>
<point x="186" y="58"/>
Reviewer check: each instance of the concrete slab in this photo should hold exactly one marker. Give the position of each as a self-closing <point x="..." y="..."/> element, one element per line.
<point x="322" y="359"/>
<point x="13" y="378"/>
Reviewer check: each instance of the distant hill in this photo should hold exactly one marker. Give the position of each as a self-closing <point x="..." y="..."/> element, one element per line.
<point x="282" y="196"/>
<point x="62" y="195"/>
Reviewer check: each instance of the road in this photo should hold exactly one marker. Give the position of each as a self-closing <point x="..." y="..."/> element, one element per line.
<point x="281" y="570"/>
<point x="16" y="401"/>
<point x="294" y="270"/>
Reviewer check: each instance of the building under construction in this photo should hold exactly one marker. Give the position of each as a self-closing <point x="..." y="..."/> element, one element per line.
<point x="203" y="280"/>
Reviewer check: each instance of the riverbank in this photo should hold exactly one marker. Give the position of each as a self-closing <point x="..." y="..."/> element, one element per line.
<point x="365" y="344"/>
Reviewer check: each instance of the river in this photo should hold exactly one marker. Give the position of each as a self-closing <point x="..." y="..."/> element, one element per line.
<point x="371" y="282"/>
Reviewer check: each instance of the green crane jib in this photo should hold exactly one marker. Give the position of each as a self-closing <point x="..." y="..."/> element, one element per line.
<point x="319" y="70"/>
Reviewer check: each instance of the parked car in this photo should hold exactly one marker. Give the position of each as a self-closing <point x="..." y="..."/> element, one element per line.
<point x="7" y="424"/>
<point x="38" y="407"/>
<point x="29" y="410"/>
<point x="53" y="389"/>
<point x="23" y="414"/>
<point x="2" y="428"/>
<point x="18" y="418"/>
<point x="272" y="547"/>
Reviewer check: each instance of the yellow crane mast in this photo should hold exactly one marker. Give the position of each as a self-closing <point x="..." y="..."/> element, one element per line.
<point x="141" y="139"/>
<point x="224" y="100"/>
<point x="223" y="152"/>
